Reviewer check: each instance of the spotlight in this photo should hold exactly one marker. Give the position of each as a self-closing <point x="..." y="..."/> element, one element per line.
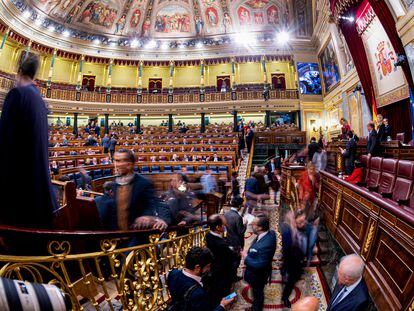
<point x="181" y="46"/>
<point x="348" y="18"/>
<point x="113" y="43"/>
<point x="134" y="43"/>
<point x="26" y="14"/>
<point x="165" y="45"/>
<point x="66" y="33"/>
<point x="199" y="45"/>
<point x="38" y="22"/>
<point x="51" y="28"/>
<point x="283" y="37"/>
<point x="151" y="44"/>
<point x="96" y="41"/>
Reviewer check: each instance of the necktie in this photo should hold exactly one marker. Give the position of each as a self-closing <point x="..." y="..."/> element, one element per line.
<point x="338" y="298"/>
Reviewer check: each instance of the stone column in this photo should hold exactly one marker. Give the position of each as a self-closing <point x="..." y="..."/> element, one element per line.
<point x="106" y="123"/>
<point x="75" y="123"/>
<point x="170" y="122"/>
<point x="4" y="39"/>
<point x="79" y="79"/>
<point x="49" y="77"/>
<point x="203" y="122"/>
<point x="109" y="81"/>
<point x="138" y="123"/>
<point x="235" y="121"/>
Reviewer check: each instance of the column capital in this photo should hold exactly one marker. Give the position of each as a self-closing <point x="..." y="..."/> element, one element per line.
<point x="55" y="50"/>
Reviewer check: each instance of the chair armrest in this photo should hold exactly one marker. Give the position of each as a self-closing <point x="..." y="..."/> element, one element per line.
<point x="403" y="202"/>
<point x="386" y="194"/>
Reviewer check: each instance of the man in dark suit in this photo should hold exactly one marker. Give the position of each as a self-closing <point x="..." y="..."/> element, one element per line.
<point x="271" y="166"/>
<point x="24" y="114"/>
<point x="235" y="231"/>
<point x="381" y="129"/>
<point x="349" y="153"/>
<point x="387" y="129"/>
<point x="105" y="201"/>
<point x="312" y="148"/>
<point x="249" y="138"/>
<point x="222" y="266"/>
<point x="186" y="288"/>
<point x="372" y="143"/>
<point x="351" y="292"/>
<point x="258" y="259"/>
<point x="135" y="203"/>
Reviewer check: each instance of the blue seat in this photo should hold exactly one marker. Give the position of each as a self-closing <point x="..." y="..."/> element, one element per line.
<point x="223" y="168"/>
<point x="167" y="169"/>
<point x="202" y="168"/>
<point x="136" y="169"/>
<point x="155" y="169"/>
<point x="177" y="168"/>
<point x="97" y="174"/>
<point x="213" y="168"/>
<point x="107" y="172"/>
<point x="190" y="168"/>
<point x="145" y="170"/>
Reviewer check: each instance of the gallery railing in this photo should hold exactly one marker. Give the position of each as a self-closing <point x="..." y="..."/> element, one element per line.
<point x="102" y="269"/>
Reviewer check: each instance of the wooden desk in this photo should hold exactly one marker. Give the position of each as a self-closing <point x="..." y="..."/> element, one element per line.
<point x="390" y="149"/>
<point x="290" y="174"/>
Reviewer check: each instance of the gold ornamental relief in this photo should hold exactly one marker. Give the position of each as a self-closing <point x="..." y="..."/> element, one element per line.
<point x="369" y="239"/>
<point x="338" y="207"/>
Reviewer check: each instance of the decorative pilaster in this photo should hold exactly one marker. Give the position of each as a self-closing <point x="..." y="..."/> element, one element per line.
<point x="79" y="79"/>
<point x="49" y="77"/>
<point x="109" y="81"/>
<point x="139" y="88"/>
<point x="264" y="69"/>
<point x="202" y="73"/>
<point x="4" y="39"/>
<point x="203" y="122"/>
<point x="170" y="85"/>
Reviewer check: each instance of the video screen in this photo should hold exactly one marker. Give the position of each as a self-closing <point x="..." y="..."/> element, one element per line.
<point x="309" y="79"/>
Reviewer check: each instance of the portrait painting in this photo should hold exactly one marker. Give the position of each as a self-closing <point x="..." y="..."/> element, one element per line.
<point x="100" y="13"/>
<point x="212" y="16"/>
<point x="135" y="18"/>
<point x="272" y="15"/>
<point x="329" y="65"/>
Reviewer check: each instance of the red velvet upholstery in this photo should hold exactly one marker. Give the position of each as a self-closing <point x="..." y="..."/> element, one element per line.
<point x="404" y="181"/>
<point x="366" y="161"/>
<point x="69" y="164"/>
<point x="374" y="174"/>
<point x="81" y="162"/>
<point x="61" y="164"/>
<point x="388" y="176"/>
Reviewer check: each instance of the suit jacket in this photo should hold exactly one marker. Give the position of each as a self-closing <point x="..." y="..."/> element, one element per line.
<point x="312" y="147"/>
<point x="381" y="133"/>
<point x="143" y="202"/>
<point x="372" y="143"/>
<point x="178" y="284"/>
<point x="259" y="260"/>
<point x="235" y="228"/>
<point x="221" y="268"/>
<point x="357" y="300"/>
<point x="387" y="131"/>
<point x="350" y="155"/>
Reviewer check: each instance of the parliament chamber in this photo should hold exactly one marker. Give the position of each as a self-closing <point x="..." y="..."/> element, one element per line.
<point x="207" y="155"/>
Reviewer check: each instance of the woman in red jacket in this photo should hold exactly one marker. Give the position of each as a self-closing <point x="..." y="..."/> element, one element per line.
<point x="356" y="176"/>
<point x="308" y="184"/>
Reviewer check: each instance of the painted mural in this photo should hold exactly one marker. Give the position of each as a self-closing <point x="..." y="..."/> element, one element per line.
<point x="172" y="19"/>
<point x="329" y="65"/>
<point x="165" y="18"/>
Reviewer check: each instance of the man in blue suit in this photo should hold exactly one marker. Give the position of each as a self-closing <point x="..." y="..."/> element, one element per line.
<point x="258" y="259"/>
<point x="351" y="292"/>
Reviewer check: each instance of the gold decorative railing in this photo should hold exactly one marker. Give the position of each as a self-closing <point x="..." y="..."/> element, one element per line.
<point x="132" y="276"/>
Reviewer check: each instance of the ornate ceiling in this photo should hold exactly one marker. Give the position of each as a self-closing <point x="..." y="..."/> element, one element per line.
<point x="191" y="23"/>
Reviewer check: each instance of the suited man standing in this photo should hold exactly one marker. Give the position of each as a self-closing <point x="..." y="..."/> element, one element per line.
<point x="381" y="129"/>
<point x="372" y="143"/>
<point x="351" y="292"/>
<point x="387" y="129"/>
<point x="312" y="148"/>
<point x="235" y="231"/>
<point x="349" y="153"/>
<point x="258" y="259"/>
<point x="222" y="266"/>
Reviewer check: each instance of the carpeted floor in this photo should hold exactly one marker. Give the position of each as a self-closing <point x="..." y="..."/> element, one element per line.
<point x="311" y="284"/>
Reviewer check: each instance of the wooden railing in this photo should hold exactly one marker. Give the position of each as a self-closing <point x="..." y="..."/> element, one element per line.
<point x="380" y="231"/>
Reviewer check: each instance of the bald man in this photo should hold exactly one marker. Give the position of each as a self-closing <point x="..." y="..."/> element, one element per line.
<point x="309" y="303"/>
<point x="351" y="292"/>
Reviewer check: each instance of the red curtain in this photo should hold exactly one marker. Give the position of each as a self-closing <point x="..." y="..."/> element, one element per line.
<point x="357" y="50"/>
<point x="387" y="20"/>
<point x="279" y="81"/>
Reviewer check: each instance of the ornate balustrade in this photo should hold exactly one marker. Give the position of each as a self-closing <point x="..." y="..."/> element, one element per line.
<point x="106" y="270"/>
<point x="131" y="97"/>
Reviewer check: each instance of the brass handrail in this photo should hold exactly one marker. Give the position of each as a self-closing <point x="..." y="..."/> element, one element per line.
<point x="134" y="276"/>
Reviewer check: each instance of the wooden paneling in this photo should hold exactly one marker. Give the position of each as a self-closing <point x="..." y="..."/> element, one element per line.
<point x="369" y="226"/>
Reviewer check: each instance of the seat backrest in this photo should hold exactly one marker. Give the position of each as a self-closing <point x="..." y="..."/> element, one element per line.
<point x="202" y="168"/>
<point x="190" y="168"/>
<point x="177" y="168"/>
<point x="404" y="181"/>
<point x="144" y="169"/>
<point x="388" y="175"/>
<point x="374" y="172"/>
<point x="69" y="163"/>
<point x="155" y="168"/>
<point x="366" y="161"/>
<point x="400" y="137"/>
<point x="61" y="164"/>
<point x="167" y="168"/>
<point x="81" y="162"/>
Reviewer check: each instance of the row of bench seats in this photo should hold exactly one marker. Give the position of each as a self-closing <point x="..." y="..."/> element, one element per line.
<point x="98" y="173"/>
<point x="392" y="179"/>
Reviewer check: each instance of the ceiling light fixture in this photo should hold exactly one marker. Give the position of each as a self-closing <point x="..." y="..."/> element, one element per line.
<point x="66" y="33"/>
<point x="134" y="43"/>
<point x="26" y="14"/>
<point x="283" y="37"/>
<point x="96" y="41"/>
<point x="199" y="45"/>
<point x="52" y="28"/>
<point x="113" y="43"/>
<point x="151" y="44"/>
<point x="165" y="45"/>
<point x="245" y="38"/>
<point x="38" y="22"/>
